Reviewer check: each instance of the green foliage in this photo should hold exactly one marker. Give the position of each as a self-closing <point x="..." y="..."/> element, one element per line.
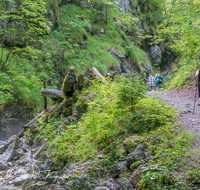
<point x="49" y="54"/>
<point x="150" y="13"/>
<point x="180" y="31"/>
<point x="194" y="175"/>
<point x="129" y="90"/>
<point x="169" y="146"/>
<point x="150" y="114"/>
<point x="19" y="87"/>
<point x="26" y="22"/>
<point x="160" y="178"/>
<point x="135" y="165"/>
<point x="109" y="118"/>
<point x="184" y="74"/>
<point x="181" y="26"/>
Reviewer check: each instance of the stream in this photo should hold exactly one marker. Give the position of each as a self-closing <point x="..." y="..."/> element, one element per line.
<point x="13" y="127"/>
<point x="11" y="120"/>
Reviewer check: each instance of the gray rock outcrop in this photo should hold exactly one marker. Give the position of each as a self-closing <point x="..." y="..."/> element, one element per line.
<point x="136" y="176"/>
<point x="123" y="184"/>
<point x="155" y="55"/>
<point x="3" y="163"/>
<point x="124" y="65"/>
<point x="123" y="5"/>
<point x="110" y="184"/>
<point x="138" y="154"/>
<point x="118" y="168"/>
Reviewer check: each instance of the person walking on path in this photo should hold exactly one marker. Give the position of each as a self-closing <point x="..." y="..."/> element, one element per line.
<point x="168" y="77"/>
<point x="151" y="82"/>
<point x="197" y="79"/>
<point x="159" y="81"/>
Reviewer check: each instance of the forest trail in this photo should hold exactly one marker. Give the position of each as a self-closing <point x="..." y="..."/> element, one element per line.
<point x="183" y="101"/>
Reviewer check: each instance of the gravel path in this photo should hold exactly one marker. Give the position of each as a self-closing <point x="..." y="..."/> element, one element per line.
<point x="184" y="102"/>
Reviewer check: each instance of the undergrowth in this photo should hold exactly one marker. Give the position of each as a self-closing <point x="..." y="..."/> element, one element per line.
<point x="111" y="113"/>
<point x="184" y="75"/>
<point x="117" y="109"/>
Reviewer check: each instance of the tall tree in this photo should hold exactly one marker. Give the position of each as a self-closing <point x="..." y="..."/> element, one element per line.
<point x="181" y="27"/>
<point x="21" y="24"/>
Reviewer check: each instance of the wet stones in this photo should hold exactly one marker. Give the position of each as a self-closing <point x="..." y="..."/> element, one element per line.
<point x="3" y="163"/>
<point x="20" y="180"/>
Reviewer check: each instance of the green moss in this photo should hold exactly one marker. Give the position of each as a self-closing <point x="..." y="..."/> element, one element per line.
<point x="81" y="105"/>
<point x="135" y="165"/>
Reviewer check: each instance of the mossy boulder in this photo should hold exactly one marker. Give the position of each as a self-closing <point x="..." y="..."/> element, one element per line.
<point x="135" y="165"/>
<point x="131" y="143"/>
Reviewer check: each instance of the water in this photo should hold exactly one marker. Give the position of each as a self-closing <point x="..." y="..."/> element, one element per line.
<point x="11" y="127"/>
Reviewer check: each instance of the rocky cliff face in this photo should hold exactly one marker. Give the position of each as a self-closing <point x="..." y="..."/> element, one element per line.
<point x="123" y="5"/>
<point x="159" y="54"/>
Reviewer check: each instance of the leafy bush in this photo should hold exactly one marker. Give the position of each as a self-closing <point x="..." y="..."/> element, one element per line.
<point x="194" y="175"/>
<point x="169" y="146"/>
<point x="150" y="114"/>
<point x="129" y="90"/>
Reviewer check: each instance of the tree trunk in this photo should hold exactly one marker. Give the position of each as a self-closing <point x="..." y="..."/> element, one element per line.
<point x="98" y="74"/>
<point x="52" y="93"/>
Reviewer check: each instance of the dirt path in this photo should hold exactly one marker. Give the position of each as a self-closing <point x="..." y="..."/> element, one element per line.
<point x="184" y="102"/>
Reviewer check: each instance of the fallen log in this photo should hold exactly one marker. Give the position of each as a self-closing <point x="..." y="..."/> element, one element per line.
<point x="58" y="94"/>
<point x="98" y="74"/>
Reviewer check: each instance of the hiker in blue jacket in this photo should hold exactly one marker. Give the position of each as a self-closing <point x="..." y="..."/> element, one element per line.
<point x="168" y="77"/>
<point x="159" y="81"/>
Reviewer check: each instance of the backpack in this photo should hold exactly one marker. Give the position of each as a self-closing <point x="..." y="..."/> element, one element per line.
<point x="157" y="81"/>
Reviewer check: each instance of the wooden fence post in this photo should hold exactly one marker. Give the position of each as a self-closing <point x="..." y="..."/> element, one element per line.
<point x="45" y="98"/>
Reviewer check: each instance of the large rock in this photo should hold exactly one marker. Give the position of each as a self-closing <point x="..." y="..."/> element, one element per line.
<point x="39" y="152"/>
<point x="123" y="184"/>
<point x="3" y="163"/>
<point x="136" y="176"/>
<point x="14" y="150"/>
<point x="155" y="54"/>
<point x="82" y="182"/>
<point x="123" y="5"/>
<point x="137" y="155"/>
<point x="101" y="188"/>
<point x="4" y="145"/>
<point x="118" y="168"/>
<point x="124" y="65"/>
<point x="110" y="184"/>
<point x="20" y="180"/>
